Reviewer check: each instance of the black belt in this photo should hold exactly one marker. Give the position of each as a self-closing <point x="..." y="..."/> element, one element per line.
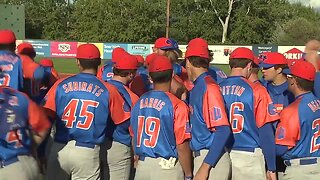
<point x="301" y="162"/>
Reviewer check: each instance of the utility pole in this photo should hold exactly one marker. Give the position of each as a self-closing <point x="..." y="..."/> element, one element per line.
<point x="168" y="19"/>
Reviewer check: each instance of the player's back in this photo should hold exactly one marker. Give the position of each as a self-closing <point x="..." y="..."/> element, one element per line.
<point x="240" y="101"/>
<point x="153" y="118"/>
<point x="15" y="134"/>
<point x="305" y="113"/>
<point x="11" y="70"/>
<point x="85" y="102"/>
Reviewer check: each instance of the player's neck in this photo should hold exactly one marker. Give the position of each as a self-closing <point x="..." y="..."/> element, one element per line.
<point x="253" y="77"/>
<point x="89" y="71"/>
<point x="297" y="92"/>
<point x="278" y="80"/>
<point x="197" y="72"/>
<point x="162" y="86"/>
<point x="238" y="72"/>
<point x="124" y="80"/>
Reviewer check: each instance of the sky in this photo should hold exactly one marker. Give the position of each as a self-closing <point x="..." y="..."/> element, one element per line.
<point x="313" y="3"/>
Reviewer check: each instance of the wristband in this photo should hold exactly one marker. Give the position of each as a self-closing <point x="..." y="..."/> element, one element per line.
<point x="188" y="178"/>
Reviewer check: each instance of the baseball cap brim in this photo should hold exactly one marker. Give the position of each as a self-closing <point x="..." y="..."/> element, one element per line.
<point x="264" y="65"/>
<point x="286" y="71"/>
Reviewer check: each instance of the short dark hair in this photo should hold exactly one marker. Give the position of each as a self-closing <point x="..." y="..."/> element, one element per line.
<point x="283" y="66"/>
<point x="304" y="84"/>
<point x="162" y="76"/>
<point x="199" y="62"/>
<point x="32" y="55"/>
<point x="90" y="63"/>
<point x="239" y="62"/>
<point x="10" y="47"/>
<point x="123" y="72"/>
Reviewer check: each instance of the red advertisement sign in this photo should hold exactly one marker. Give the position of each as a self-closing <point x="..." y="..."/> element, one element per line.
<point x="293" y="54"/>
<point x="64" y="49"/>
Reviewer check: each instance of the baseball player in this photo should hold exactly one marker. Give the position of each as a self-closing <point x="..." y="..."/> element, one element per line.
<point x="119" y="155"/>
<point x="298" y="131"/>
<point x="210" y="126"/>
<point x="160" y="129"/>
<point x="217" y="74"/>
<point x="272" y="65"/>
<point x="11" y="73"/>
<point x="251" y="114"/>
<point x="169" y="47"/>
<point x="81" y="105"/>
<point x="105" y="72"/>
<point x="141" y="84"/>
<point x="311" y="55"/>
<point x="33" y="73"/>
<point x="22" y="125"/>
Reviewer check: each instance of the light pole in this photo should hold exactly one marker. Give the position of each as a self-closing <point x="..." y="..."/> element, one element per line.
<point x="168" y="19"/>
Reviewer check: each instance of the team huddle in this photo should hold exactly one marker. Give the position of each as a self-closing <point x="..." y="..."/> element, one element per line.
<point x="159" y="117"/>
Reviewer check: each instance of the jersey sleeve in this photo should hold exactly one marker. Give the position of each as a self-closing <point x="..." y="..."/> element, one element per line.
<point x="264" y="109"/>
<point x="134" y="98"/>
<point x="100" y="72"/>
<point x="37" y="118"/>
<point x="182" y="129"/>
<point x="214" y="112"/>
<point x="288" y="129"/>
<point x="28" y="66"/>
<point x="119" y="110"/>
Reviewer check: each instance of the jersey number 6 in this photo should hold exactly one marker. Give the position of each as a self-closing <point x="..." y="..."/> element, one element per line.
<point x="69" y="113"/>
<point x="151" y="127"/>
<point x="236" y="119"/>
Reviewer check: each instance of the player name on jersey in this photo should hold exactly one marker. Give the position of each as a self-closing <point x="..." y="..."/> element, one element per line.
<point x="232" y="90"/>
<point x="9" y="58"/>
<point x="314" y="105"/>
<point x="8" y="67"/>
<point x="152" y="103"/>
<point x="82" y="87"/>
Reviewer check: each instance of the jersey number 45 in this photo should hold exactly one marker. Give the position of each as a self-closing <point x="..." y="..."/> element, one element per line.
<point x="70" y="113"/>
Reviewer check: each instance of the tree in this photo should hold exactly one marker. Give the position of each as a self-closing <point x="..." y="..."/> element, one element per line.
<point x="296" y="32"/>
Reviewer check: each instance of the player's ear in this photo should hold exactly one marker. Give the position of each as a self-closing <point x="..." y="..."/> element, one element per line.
<point x="279" y="70"/>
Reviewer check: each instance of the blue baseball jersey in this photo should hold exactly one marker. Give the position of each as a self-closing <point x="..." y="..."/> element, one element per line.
<point x="159" y="123"/>
<point x="121" y="133"/>
<point x="82" y="104"/>
<point x="207" y="111"/>
<point x="299" y="127"/>
<point x="217" y="74"/>
<point x="106" y="71"/>
<point x="249" y="107"/>
<point x="19" y="116"/>
<point x="11" y="73"/>
<point x="177" y="69"/>
<point x="280" y="95"/>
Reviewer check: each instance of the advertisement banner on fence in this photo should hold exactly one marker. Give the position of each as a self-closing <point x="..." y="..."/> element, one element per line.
<point x="64" y="49"/>
<point x="139" y="49"/>
<point x="221" y="53"/>
<point x="108" y="47"/>
<point x="42" y="48"/>
<point x="259" y="49"/>
<point x="291" y="52"/>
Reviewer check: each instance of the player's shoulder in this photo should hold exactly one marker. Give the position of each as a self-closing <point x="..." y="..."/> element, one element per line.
<point x="9" y="57"/>
<point x="176" y="102"/>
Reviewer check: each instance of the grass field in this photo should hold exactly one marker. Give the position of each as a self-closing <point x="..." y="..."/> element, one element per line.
<point x="63" y="65"/>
